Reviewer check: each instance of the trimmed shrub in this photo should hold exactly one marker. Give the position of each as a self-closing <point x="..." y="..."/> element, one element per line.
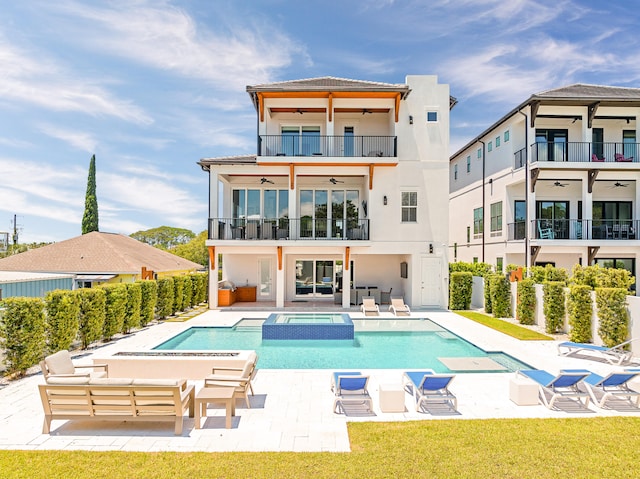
<point x="614" y="278"/>
<point x="487" y="295"/>
<point x="554" y="308"/>
<point x="537" y="274"/>
<point x="526" y="307"/>
<point x="477" y="269"/>
<point x="115" y="309"/>
<point x="187" y="296"/>
<point x="178" y="294"/>
<point x="614" y="318"/>
<point x="203" y="288"/>
<point x="500" y="296"/>
<point x="164" y="306"/>
<point x="551" y="273"/>
<point x="92" y="314"/>
<point x="22" y="333"/>
<point x="195" y="285"/>
<point x="149" y="299"/>
<point x="580" y="310"/>
<point x="585" y="275"/>
<point x="460" y="290"/>
<point x="62" y="324"/>
<point x="134" y="301"/>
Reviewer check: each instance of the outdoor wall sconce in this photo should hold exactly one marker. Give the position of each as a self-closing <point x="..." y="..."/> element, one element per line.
<point x="411" y="119"/>
<point x="384" y="200"/>
<point x="430" y="248"/>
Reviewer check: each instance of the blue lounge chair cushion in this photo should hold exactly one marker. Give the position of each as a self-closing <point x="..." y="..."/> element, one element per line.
<point x="563" y="380"/>
<point x="336" y="375"/>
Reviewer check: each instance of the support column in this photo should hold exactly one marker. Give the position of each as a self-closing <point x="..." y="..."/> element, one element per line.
<point x="280" y="277"/>
<point x="346" y="278"/>
<point x="213" y="277"/>
<point x="587" y="208"/>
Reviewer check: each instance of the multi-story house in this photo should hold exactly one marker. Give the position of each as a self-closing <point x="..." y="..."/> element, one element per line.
<point x="553" y="181"/>
<point x="345" y="197"/>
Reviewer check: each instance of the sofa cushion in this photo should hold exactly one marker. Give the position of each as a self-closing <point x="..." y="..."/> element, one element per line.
<point x="60" y="363"/>
<point x="110" y="381"/>
<point x="64" y="380"/>
<point x="155" y="382"/>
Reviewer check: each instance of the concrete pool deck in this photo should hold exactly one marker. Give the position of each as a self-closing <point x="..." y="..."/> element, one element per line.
<point x="291" y="409"/>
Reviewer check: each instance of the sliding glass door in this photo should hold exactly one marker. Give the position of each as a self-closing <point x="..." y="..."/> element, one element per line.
<point x="315" y="278"/>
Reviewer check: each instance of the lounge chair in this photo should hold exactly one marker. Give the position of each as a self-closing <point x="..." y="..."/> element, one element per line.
<point x="615" y="355"/>
<point x="60" y="365"/>
<point x="429" y="387"/>
<point x="350" y="388"/>
<point x="614" y="385"/>
<point x="595" y="157"/>
<point x="369" y="306"/>
<point x="399" y="308"/>
<point x="621" y="158"/>
<point x="564" y="385"/>
<point x="238" y="378"/>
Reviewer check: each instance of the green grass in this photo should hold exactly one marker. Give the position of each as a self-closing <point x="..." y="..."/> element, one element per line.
<point x="490" y="448"/>
<point x="513" y="330"/>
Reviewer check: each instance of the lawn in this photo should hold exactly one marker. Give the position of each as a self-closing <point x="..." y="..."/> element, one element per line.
<point x="492" y="448"/>
<point x="505" y="327"/>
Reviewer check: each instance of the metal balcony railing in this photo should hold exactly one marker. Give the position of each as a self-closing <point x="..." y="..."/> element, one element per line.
<point x="516" y="231"/>
<point x="608" y="152"/>
<point x="288" y="229"/>
<point x="331" y="146"/>
<point x="519" y="159"/>
<point x="573" y="229"/>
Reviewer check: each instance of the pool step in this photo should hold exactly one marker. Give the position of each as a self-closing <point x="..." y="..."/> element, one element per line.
<point x="446" y="335"/>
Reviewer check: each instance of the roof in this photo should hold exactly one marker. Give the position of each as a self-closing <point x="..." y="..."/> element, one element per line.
<point x="328" y="83"/>
<point x="205" y="163"/>
<point x="578" y="94"/>
<point x="21" y="276"/>
<point x="97" y="252"/>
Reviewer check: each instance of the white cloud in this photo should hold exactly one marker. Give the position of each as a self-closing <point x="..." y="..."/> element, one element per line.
<point x="77" y="139"/>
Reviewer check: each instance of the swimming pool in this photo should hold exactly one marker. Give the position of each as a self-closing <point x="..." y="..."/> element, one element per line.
<point x="394" y="344"/>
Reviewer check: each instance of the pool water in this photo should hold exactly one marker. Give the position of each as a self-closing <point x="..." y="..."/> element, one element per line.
<point x="392" y="348"/>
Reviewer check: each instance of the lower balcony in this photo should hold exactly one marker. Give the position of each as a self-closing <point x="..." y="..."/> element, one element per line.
<point x="353" y="229"/>
<point x="576" y="229"/>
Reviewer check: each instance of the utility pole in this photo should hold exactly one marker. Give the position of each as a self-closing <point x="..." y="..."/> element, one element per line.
<point x="15" y="230"/>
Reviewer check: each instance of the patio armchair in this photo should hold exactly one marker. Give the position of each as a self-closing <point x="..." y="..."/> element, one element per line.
<point x="238" y="378"/>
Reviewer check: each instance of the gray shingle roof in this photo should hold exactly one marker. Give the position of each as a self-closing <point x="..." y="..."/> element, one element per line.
<point x="205" y="163"/>
<point x="323" y="83"/>
<point x="596" y="92"/>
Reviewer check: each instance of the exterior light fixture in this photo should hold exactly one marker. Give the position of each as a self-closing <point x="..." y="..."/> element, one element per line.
<point x="430" y="248"/>
<point x="384" y="200"/>
<point x="411" y="119"/>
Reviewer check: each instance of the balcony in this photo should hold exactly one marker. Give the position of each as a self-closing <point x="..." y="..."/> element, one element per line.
<point x="581" y="229"/>
<point x="328" y="146"/>
<point x="584" y="152"/>
<point x="240" y="229"/>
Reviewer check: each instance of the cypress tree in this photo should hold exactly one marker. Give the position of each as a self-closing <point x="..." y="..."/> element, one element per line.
<point x="90" y="218"/>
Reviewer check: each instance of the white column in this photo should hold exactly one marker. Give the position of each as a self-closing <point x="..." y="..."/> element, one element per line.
<point x="294" y="225"/>
<point x="280" y="283"/>
<point x="587" y="205"/>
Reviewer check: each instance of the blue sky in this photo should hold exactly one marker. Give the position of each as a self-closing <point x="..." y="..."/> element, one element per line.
<point x="150" y="87"/>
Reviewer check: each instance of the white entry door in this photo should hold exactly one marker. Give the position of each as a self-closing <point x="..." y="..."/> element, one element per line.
<point x="431" y="282"/>
<point x="265" y="274"/>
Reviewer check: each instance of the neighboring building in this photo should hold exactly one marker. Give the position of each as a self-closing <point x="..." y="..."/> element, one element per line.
<point x="21" y="283"/>
<point x="97" y="258"/>
<point x="346" y="194"/>
<point x="553" y="181"/>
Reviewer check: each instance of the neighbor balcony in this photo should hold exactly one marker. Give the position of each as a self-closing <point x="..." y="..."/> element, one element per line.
<point x="582" y="152"/>
<point x="288" y="229"/>
<point x="576" y="229"/>
<point x="328" y="146"/>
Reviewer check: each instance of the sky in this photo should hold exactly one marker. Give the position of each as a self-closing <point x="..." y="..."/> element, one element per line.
<point x="151" y="87"/>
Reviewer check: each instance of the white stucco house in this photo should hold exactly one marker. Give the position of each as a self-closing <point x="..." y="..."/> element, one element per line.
<point x="346" y="195"/>
<point x="553" y="181"/>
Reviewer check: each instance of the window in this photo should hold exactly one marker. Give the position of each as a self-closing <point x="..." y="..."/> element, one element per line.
<point x="553" y="215"/>
<point x="629" y="143"/>
<point x="496" y="219"/>
<point x="479" y="152"/>
<point x="506" y="136"/>
<point x="490" y="146"/>
<point x="455" y="171"/>
<point x="468" y="234"/>
<point x="469" y="164"/>
<point x="475" y="259"/>
<point x="499" y="265"/>
<point x="497" y="141"/>
<point x="519" y="219"/>
<point x="478" y="223"/>
<point x="432" y="116"/>
<point x="300" y="141"/>
<point x="409" y="206"/>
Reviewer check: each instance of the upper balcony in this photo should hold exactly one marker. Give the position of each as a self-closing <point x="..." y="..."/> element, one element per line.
<point x="317" y="145"/>
<point x="575" y="229"/>
<point x="582" y="152"/>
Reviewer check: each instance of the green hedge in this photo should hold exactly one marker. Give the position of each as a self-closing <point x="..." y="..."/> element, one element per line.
<point x="178" y="294"/>
<point x="597" y="277"/>
<point x="526" y="307"/>
<point x="22" y="333"/>
<point x="614" y="318"/>
<point x="149" y="299"/>
<point x="500" y="296"/>
<point x="477" y="269"/>
<point x="487" y="295"/>
<point x="116" y="309"/>
<point x="62" y="324"/>
<point x="92" y="314"/>
<point x="134" y="302"/>
<point x="580" y="310"/>
<point x="460" y="288"/>
<point x="187" y="296"/>
<point x="164" y="307"/>
<point x="554" y="307"/>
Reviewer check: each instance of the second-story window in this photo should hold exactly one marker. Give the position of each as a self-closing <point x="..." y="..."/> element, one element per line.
<point x="455" y="171"/>
<point x="469" y="164"/>
<point x="490" y="146"/>
<point x="497" y="141"/>
<point x="301" y="140"/>
<point x="496" y="219"/>
<point x="409" y="206"/>
<point x="478" y="222"/>
<point x="479" y="152"/>
<point x="506" y="136"/>
<point x="432" y="116"/>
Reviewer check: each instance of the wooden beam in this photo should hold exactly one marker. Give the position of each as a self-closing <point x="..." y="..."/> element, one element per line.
<point x="346" y="260"/>
<point x="280" y="258"/>
<point x="534" y="254"/>
<point x="360" y="110"/>
<point x="212" y="256"/>
<point x="261" y="107"/>
<point x="292" y="172"/>
<point x="330" y="107"/>
<point x="322" y="163"/>
<point x="593" y="174"/>
<point x="398" y="97"/>
<point x="370" y="176"/>
<point x="592" y="109"/>
<point x="297" y="110"/>
<point x="534" y="177"/>
<point x="335" y="94"/>
<point x="534" y="111"/>
<point x="592" y="251"/>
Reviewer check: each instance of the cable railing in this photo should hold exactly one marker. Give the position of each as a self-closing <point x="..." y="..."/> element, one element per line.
<point x="355" y="229"/>
<point x="600" y="152"/>
<point x="328" y="146"/>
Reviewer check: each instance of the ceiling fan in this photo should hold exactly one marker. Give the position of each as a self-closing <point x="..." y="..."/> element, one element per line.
<point x="264" y="180"/>
<point x="334" y="181"/>
<point x="561" y="185"/>
<point x="617" y="184"/>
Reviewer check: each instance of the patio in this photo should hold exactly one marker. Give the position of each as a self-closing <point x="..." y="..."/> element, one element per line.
<point x="291" y="409"/>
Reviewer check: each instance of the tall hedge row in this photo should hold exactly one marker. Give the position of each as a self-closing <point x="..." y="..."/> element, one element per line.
<point x="178" y="294"/>
<point x="613" y="314"/>
<point x="116" y="309"/>
<point x="526" y="307"/>
<point x="134" y="301"/>
<point x="164" y="307"/>
<point x="22" y="333"/>
<point x="92" y="314"/>
<point x="580" y="310"/>
<point x="500" y="296"/>
<point x="62" y="312"/>
<point x="149" y="299"/>
<point x="460" y="288"/>
<point x="554" y="307"/>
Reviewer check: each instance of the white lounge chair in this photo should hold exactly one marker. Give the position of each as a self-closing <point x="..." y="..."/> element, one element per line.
<point x="429" y="387"/>
<point x="350" y="388"/>
<point x="615" y="355"/>
<point x="60" y="365"/>
<point x="369" y="306"/>
<point x="615" y="385"/>
<point x="564" y="385"/>
<point x="399" y="308"/>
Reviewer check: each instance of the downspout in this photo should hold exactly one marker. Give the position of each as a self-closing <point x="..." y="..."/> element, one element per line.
<point x="484" y="210"/>
<point x="527" y="253"/>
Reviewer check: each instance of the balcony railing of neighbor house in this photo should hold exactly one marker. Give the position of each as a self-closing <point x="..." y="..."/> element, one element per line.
<point x="519" y="158"/>
<point x="334" y="146"/>
<point x="516" y="231"/>
<point x="619" y="229"/>
<point x="288" y="229"/>
<point x="585" y="152"/>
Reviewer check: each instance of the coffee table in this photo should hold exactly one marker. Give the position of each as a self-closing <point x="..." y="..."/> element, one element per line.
<point x="215" y="395"/>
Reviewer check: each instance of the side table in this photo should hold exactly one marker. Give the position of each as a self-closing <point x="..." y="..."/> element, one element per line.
<point x="215" y="395"/>
<point x="391" y="398"/>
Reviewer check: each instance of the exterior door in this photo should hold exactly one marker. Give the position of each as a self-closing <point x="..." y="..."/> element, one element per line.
<point x="265" y="273"/>
<point x="431" y="282"/>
